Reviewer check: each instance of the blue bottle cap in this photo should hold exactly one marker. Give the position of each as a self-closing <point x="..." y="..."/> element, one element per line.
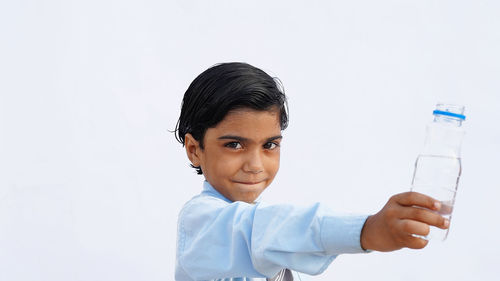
<point x="447" y="113"/>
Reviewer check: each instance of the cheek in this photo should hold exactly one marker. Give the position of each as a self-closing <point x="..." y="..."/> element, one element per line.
<point x="273" y="163"/>
<point x="231" y="165"/>
<point x="224" y="163"/>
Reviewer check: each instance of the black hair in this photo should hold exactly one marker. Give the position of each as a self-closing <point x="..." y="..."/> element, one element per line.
<point x="225" y="87"/>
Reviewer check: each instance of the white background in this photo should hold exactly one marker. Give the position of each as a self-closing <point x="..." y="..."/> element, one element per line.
<point x="91" y="180"/>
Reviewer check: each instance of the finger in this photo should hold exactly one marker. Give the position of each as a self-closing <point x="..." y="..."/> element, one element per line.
<point x="417" y="199"/>
<point x="414" y="227"/>
<point x="425" y="216"/>
<point x="413" y="242"/>
<point x="446" y="207"/>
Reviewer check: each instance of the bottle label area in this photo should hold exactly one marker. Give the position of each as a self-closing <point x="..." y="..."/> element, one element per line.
<point x="437" y="176"/>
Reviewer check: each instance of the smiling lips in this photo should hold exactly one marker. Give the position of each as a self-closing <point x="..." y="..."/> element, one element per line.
<point x="249" y="182"/>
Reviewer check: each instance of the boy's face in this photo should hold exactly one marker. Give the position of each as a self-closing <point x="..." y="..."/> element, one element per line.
<point x="241" y="154"/>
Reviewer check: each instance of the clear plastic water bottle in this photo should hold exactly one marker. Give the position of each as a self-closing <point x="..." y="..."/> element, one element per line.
<point x="438" y="167"/>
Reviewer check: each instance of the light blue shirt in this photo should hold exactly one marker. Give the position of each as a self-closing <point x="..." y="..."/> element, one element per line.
<point x="218" y="239"/>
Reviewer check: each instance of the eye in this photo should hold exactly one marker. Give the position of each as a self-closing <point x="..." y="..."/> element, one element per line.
<point x="271" y="145"/>
<point x="233" y="145"/>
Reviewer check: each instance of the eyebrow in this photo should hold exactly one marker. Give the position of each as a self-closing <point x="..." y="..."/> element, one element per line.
<point x="242" y="139"/>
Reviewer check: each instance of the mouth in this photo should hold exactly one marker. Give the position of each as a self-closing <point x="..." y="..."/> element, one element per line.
<point x="248" y="182"/>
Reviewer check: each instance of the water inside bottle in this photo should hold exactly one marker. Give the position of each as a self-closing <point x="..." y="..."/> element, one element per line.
<point x="438" y="176"/>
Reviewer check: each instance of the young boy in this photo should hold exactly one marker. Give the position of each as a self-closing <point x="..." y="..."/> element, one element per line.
<point x="231" y="121"/>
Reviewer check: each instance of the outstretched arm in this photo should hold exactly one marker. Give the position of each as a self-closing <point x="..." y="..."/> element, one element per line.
<point x="255" y="240"/>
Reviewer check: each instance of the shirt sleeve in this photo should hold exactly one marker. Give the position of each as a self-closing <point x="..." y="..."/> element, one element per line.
<point x="220" y="240"/>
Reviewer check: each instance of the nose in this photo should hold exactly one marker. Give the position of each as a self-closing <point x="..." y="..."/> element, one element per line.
<point x="253" y="162"/>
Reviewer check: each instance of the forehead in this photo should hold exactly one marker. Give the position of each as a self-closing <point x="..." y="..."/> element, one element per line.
<point x="246" y="122"/>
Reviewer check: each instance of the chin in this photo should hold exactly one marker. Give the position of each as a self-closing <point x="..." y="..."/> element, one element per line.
<point x="250" y="197"/>
<point x="249" y="200"/>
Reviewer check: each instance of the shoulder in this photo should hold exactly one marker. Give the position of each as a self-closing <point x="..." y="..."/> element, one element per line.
<point x="201" y="204"/>
<point x="199" y="211"/>
<point x="194" y="215"/>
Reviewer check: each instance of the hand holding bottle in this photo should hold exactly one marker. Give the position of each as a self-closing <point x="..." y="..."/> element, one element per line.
<point x="398" y="225"/>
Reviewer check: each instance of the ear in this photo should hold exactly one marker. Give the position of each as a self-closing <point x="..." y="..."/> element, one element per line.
<point x="193" y="149"/>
